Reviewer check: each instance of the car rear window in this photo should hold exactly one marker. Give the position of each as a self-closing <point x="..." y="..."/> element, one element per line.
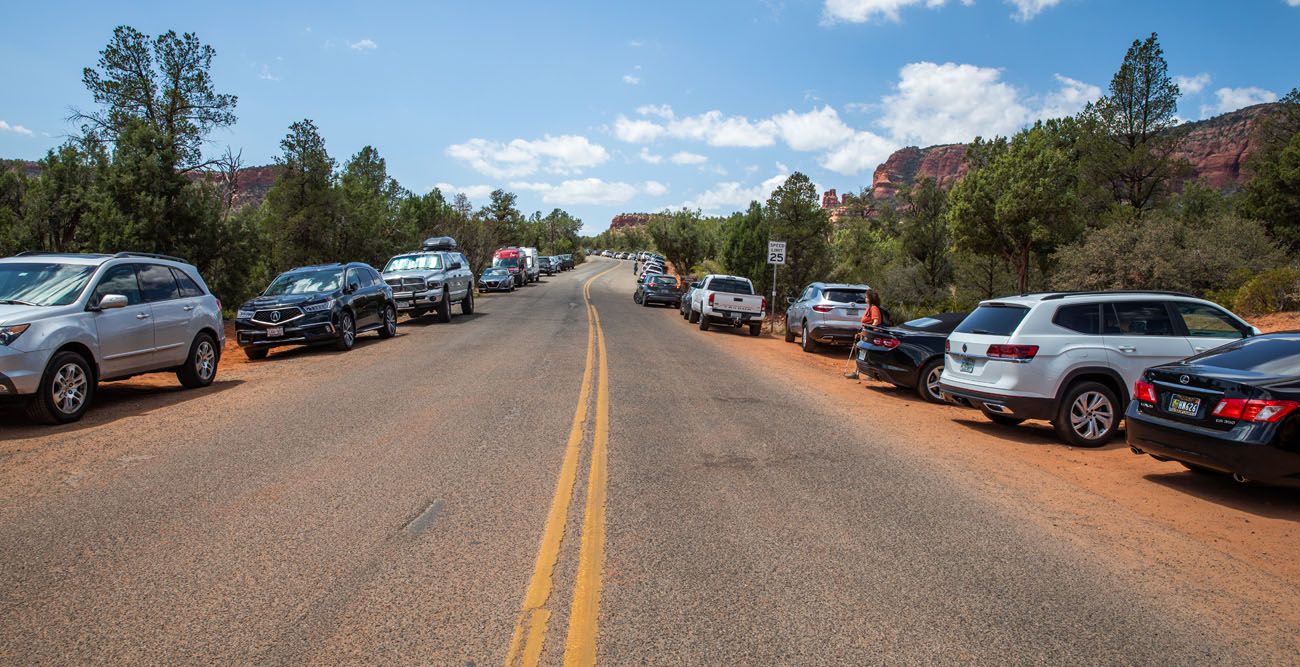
<point x="663" y="281"/>
<point x="993" y="319"/>
<point x="845" y="295"/>
<point x="1263" y="354"/>
<point x="730" y="286"/>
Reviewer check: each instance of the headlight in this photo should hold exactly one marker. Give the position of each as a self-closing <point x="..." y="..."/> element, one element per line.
<point x="321" y="307"/>
<point x="434" y="284"/>
<point x="244" y="315"/>
<point x="11" y="333"/>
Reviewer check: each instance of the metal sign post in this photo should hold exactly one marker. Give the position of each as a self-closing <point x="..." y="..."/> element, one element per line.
<point x="775" y="257"/>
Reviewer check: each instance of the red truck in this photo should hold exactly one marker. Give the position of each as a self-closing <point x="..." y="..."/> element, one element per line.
<point x="512" y="260"/>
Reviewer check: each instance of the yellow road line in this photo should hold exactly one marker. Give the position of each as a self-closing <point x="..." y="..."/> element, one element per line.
<point x="580" y="646"/>
<point x="530" y="628"/>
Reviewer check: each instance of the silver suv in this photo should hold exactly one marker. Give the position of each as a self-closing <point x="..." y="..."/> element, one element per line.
<point x="69" y="321"/>
<point x="434" y="279"/>
<point x="825" y="313"/>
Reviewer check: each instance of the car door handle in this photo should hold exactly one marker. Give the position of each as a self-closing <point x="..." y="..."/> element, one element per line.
<point x="1127" y="348"/>
<point x="142" y="316"/>
<point x="189" y="308"/>
<point x="1200" y="349"/>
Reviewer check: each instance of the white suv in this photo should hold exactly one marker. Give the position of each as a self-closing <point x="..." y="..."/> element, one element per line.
<point x="1071" y="358"/>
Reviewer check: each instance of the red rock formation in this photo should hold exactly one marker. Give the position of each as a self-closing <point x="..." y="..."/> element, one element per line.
<point x="945" y="164"/>
<point x="628" y="220"/>
<point x="830" y="199"/>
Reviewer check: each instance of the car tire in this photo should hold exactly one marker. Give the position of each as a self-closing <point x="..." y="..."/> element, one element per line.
<point x="692" y="316"/>
<point x="703" y="321"/>
<point x="200" y="367"/>
<point x="67" y="373"/>
<point x="756" y="329"/>
<point x="644" y="303"/>
<point x="467" y="305"/>
<point x="1088" y="415"/>
<point x="347" y="332"/>
<point x="927" y="381"/>
<point x="1003" y="420"/>
<point x="389" y="327"/>
<point x="256" y="353"/>
<point x="442" y="312"/>
<point x="806" y="343"/>
<point x="789" y="333"/>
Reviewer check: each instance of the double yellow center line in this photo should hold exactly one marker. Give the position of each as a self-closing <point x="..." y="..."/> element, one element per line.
<point x="530" y="629"/>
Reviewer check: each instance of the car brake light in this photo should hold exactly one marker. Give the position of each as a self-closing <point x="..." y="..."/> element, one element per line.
<point x="881" y="341"/>
<point x="764" y="306"/>
<point x="823" y="308"/>
<point x="1025" y="352"/>
<point x="947" y="346"/>
<point x="1144" y="391"/>
<point x="711" y="299"/>
<point x="1254" y="410"/>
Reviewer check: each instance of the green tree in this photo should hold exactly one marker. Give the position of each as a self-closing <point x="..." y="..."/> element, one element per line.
<point x="1273" y="192"/>
<point x="64" y="201"/>
<point x="925" y="234"/>
<point x="682" y="237"/>
<point x="503" y="217"/>
<point x="796" y="217"/>
<point x="302" y="206"/>
<point x="745" y="252"/>
<point x="370" y="227"/>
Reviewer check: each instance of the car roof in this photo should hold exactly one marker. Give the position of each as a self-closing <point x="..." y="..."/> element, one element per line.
<point x="92" y="258"/>
<point x="1108" y="295"/>
<point x="723" y="275"/>
<point x="841" y="286"/>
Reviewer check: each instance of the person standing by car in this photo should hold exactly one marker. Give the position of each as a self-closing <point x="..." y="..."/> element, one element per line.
<point x="874" y="316"/>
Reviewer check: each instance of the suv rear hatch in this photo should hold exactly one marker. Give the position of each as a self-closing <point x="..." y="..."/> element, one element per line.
<point x="843" y="307"/>
<point x="980" y="349"/>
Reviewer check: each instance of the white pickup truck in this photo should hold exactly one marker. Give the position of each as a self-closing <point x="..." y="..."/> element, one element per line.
<point x="728" y="300"/>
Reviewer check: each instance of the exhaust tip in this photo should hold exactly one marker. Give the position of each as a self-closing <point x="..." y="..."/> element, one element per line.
<point x="1239" y="478"/>
<point x="1135" y="450"/>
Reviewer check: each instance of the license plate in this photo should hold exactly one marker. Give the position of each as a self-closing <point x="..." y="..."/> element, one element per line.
<point x="275" y="332"/>
<point x="403" y="304"/>
<point x="968" y="365"/>
<point x="862" y="355"/>
<point x="1184" y="405"/>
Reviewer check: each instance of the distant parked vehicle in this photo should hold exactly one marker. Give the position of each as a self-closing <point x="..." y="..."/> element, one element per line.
<point x="1071" y="357"/>
<point x="909" y="355"/>
<point x="1233" y="409"/>
<point x="70" y="321"/>
<point x="327" y="303"/>
<point x="828" y="313"/>
<point x="512" y="260"/>
<point x="728" y="300"/>
<point x="659" y="288"/>
<point x="532" y="270"/>
<point x="566" y="262"/>
<point x="685" y="306"/>
<point x="435" y="278"/>
<point x="496" y="280"/>
<point x="547" y="265"/>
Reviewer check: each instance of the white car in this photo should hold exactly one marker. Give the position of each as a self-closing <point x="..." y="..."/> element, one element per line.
<point x="1071" y="358"/>
<point x="728" y="300"/>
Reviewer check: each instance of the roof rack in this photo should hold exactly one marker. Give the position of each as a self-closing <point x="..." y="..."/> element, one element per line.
<point x="33" y="253"/>
<point x="151" y="255"/>
<point x="1061" y="295"/>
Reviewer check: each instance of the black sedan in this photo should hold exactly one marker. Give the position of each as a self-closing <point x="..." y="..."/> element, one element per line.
<point x="1232" y="410"/>
<point x="909" y="355"/>
<point x="659" y="288"/>
<point x="496" y="280"/>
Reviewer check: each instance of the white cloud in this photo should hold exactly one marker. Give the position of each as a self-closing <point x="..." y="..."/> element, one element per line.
<point x="590" y="191"/>
<point x="652" y="158"/>
<point x="711" y="127"/>
<point x="864" y="152"/>
<point x="1027" y="9"/>
<point x="363" y="45"/>
<point x="631" y="80"/>
<point x="16" y="129"/>
<point x="734" y="195"/>
<point x="637" y="131"/>
<point x="635" y="43"/>
<point x="862" y="11"/>
<point x="1193" y="85"/>
<point x="564" y="154"/>
<point x="1293" y="3"/>
<point x="686" y="157"/>
<point x="661" y="110"/>
<point x="1070" y="99"/>
<point x="266" y="74"/>
<point x="471" y="191"/>
<point x="950" y="103"/>
<point x="1231" y="99"/>
<point x="815" y="130"/>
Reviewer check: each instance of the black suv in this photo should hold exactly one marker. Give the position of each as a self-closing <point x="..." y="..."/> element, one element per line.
<point x="329" y="303"/>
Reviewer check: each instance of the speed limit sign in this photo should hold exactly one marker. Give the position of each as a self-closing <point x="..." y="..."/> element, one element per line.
<point x="776" y="252"/>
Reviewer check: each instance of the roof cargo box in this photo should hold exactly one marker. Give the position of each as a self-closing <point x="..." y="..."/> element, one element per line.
<point x="440" y="243"/>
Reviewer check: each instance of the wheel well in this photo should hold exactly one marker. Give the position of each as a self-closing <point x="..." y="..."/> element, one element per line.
<point x="1101" y="377"/>
<point x="85" y="353"/>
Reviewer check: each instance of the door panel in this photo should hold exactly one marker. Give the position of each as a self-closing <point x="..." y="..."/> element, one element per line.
<point x="172" y="316"/>
<point x="1139" y="335"/>
<point x="1208" y="327"/>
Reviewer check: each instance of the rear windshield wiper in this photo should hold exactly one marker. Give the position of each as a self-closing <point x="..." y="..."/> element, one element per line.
<point x="983" y="332"/>
<point x="15" y="302"/>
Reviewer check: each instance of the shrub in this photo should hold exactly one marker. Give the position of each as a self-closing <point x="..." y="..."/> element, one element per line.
<point x="1269" y="292"/>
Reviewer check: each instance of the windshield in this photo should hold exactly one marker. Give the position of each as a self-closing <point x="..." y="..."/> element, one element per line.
<point x="496" y="272"/>
<point x="421" y="262"/>
<point x="306" y="282"/>
<point x="507" y="262"/>
<point x="730" y="286"/>
<point x="43" y="283"/>
<point x="845" y="295"/>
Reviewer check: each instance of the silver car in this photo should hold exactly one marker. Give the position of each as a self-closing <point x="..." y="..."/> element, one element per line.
<point x="69" y="321"/>
<point x="828" y="313"/>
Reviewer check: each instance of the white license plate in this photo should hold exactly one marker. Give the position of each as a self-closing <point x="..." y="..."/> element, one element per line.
<point x="274" y="332"/>
<point x="1184" y="405"/>
<point x="862" y="355"/>
<point x="403" y="304"/>
<point x="967" y="365"/>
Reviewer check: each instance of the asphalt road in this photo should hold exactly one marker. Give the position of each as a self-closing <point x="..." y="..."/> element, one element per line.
<point x="429" y="500"/>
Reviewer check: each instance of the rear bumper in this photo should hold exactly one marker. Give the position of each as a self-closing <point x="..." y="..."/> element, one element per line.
<point x="727" y="317"/>
<point x="1019" y="407"/>
<point x="834" y="333"/>
<point x="1245" y="450"/>
<point x="673" y="299"/>
<point x="879" y="366"/>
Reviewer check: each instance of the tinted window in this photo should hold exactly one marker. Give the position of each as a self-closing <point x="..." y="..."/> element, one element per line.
<point x="1262" y="354"/>
<point x="1138" y="318"/>
<point x="305" y="282"/>
<point x="157" y="283"/>
<point x="43" y="284"/>
<point x="119" y="280"/>
<point x="187" y="286"/>
<point x="1208" y="322"/>
<point x="1083" y="318"/>
<point x="730" y="286"/>
<point x="845" y="295"/>
<point x="994" y="319"/>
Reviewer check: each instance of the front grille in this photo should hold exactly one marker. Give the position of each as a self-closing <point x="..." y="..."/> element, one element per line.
<point x="406" y="284"/>
<point x="274" y="317"/>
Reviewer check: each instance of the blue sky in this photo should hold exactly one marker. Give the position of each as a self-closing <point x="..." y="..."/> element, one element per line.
<point x="605" y="107"/>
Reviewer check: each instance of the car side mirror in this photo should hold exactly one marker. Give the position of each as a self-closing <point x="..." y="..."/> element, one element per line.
<point x="789" y="300"/>
<point x="112" y="301"/>
<point x="352" y="287"/>
<point x="454" y="265"/>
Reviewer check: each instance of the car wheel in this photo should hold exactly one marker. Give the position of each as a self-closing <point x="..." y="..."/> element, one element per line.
<point x="692" y="316"/>
<point x="65" y="390"/>
<point x="703" y="320"/>
<point x="200" y="367"/>
<point x="443" y="309"/>
<point x="644" y="302"/>
<point x="1088" y="416"/>
<point x="806" y="343"/>
<point x="256" y="353"/>
<point x="1003" y="420"/>
<point x="756" y="329"/>
<point x="789" y="333"/>
<point x="389" y="329"/>
<point x="467" y="306"/>
<point x="927" y="383"/>
<point x="347" y="332"/>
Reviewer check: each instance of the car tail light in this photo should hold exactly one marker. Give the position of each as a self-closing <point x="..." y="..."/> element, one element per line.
<point x="1144" y="391"/>
<point x="883" y="341"/>
<point x="711" y="299"/>
<point x="821" y="308"/>
<point x="1254" y="410"/>
<point x="947" y="346"/>
<point x="1025" y="352"/>
<point x="764" y="306"/>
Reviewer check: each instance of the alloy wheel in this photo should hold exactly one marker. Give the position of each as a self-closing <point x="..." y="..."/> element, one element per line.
<point x="1092" y="415"/>
<point x="349" y="331"/>
<point x="932" y="382"/>
<point x="390" y="320"/>
<point x="69" y="388"/>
